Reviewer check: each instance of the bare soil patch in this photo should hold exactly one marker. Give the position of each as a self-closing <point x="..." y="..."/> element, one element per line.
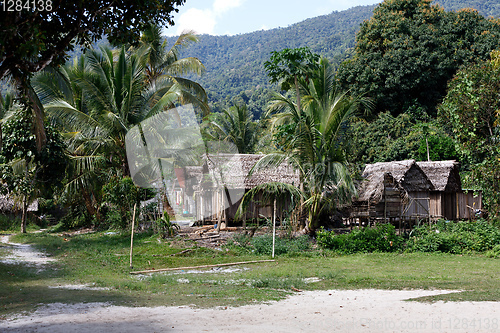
<point x="23" y="253"/>
<point x="311" y="311"/>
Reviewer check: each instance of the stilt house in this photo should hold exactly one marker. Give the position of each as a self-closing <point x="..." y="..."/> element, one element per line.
<point x="411" y="191"/>
<point x="225" y="180"/>
<point x="392" y="191"/>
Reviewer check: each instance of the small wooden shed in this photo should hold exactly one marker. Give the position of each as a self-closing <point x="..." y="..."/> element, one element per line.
<point x="392" y="191"/>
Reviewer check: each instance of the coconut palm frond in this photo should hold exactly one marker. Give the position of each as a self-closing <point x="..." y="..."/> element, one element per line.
<point x="185" y="66"/>
<point x="269" y="191"/>
<point x="268" y="161"/>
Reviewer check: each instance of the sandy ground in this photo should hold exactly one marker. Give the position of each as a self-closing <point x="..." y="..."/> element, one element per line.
<point x="318" y="311"/>
<point x="309" y="311"/>
<point x="23" y="253"/>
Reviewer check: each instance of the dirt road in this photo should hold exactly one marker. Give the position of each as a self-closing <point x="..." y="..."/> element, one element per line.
<point x="310" y="311"/>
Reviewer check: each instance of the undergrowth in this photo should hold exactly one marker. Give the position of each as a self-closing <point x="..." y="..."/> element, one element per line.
<point x="443" y="236"/>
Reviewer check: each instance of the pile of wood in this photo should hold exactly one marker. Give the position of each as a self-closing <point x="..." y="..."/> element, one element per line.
<point x="207" y="236"/>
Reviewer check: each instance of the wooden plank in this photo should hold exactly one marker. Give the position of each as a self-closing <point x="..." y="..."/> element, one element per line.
<point x="203" y="266"/>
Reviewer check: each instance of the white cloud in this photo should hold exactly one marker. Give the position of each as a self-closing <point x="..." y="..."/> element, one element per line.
<point x="222" y="6"/>
<point x="201" y="21"/>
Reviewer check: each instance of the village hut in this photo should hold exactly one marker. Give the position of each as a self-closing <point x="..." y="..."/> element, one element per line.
<point x="392" y="191"/>
<point x="226" y="179"/>
<point x="9" y="206"/>
<point x="448" y="200"/>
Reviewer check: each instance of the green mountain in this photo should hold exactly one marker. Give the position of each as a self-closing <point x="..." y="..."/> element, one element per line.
<point x="235" y="70"/>
<point x="486" y="8"/>
<point x="235" y="63"/>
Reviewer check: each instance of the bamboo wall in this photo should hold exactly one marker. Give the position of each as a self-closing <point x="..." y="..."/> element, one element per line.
<point x="209" y="205"/>
<point x="467" y="203"/>
<point x="455" y="206"/>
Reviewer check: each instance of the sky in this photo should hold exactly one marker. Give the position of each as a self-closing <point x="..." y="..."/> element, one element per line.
<point x="231" y="17"/>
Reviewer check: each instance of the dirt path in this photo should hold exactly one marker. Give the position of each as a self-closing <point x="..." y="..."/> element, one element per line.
<point x="314" y="311"/>
<point x="318" y="311"/>
<point x="23" y="253"/>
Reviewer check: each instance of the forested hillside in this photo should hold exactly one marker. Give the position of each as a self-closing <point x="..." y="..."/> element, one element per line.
<point x="486" y="8"/>
<point x="234" y="64"/>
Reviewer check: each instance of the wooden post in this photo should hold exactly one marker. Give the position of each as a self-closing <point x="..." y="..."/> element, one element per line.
<point x="221" y="206"/>
<point x="25" y="214"/>
<point x="428" y="153"/>
<point x="385" y="205"/>
<point x="274" y="225"/>
<point x="132" y="236"/>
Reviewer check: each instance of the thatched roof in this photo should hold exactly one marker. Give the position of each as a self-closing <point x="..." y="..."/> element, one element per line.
<point x="406" y="174"/>
<point x="444" y="175"/>
<point x="8" y="205"/>
<point x="233" y="170"/>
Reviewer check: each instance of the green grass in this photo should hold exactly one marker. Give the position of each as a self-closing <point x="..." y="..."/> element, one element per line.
<point x="103" y="260"/>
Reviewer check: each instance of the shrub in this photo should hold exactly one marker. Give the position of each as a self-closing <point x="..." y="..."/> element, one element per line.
<point x="9" y="223"/>
<point x="114" y="220"/>
<point x="165" y="228"/>
<point x="455" y="237"/>
<point x="381" y="238"/>
<point x="76" y="217"/>
<point x="494" y="253"/>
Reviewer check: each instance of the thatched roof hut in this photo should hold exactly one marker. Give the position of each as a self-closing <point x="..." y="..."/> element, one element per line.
<point x="233" y="169"/>
<point x="414" y="189"/>
<point x="392" y="190"/>
<point x="448" y="200"/>
<point x="231" y="172"/>
<point x="406" y="174"/>
<point x="8" y="205"/>
<point x="444" y="175"/>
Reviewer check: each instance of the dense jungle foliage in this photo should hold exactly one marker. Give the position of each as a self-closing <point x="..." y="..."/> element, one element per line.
<point x="405" y="79"/>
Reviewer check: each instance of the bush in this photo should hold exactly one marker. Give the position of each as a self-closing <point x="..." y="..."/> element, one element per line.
<point x="494" y="253"/>
<point x="264" y="245"/>
<point x="166" y="228"/>
<point x="455" y="237"/>
<point x="114" y="220"/>
<point x="12" y="223"/>
<point x="76" y="217"/>
<point x="9" y="223"/>
<point x="381" y="238"/>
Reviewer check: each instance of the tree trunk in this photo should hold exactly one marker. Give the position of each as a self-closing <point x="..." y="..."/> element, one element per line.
<point x="167" y="207"/>
<point x="24" y="216"/>
<point x="30" y="100"/>
<point x="90" y="205"/>
<point x="297" y="92"/>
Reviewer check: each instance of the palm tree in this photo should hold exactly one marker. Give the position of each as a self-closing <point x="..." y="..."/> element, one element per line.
<point x="6" y="104"/>
<point x="166" y="65"/>
<point x="95" y="102"/>
<point x="314" y="140"/>
<point x="234" y="125"/>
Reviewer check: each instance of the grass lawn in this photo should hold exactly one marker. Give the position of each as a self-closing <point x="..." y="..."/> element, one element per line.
<point x="102" y="260"/>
